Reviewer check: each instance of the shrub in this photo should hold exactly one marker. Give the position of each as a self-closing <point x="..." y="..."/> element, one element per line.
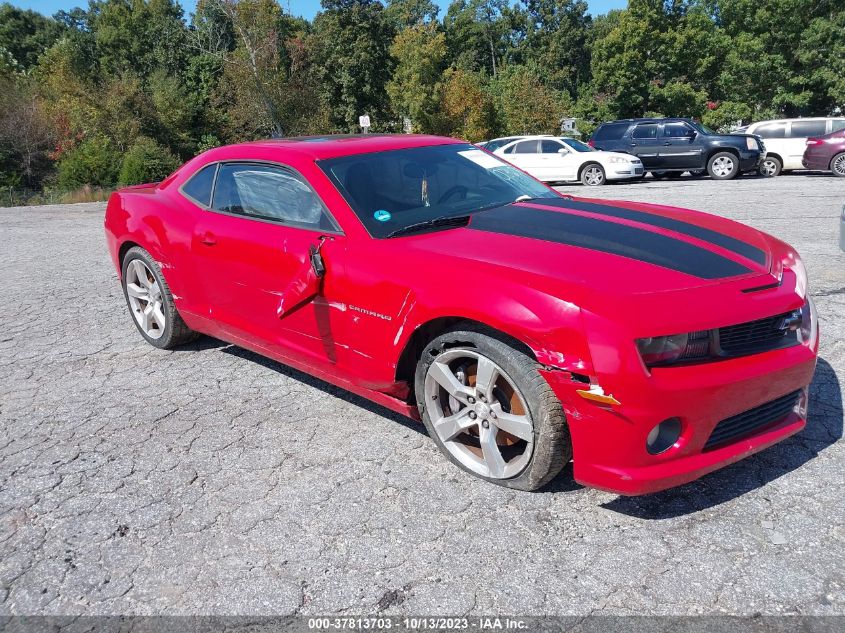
<point x="146" y="161"/>
<point x="92" y="162"/>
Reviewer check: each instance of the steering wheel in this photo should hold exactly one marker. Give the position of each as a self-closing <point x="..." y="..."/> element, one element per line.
<point x="457" y="190"/>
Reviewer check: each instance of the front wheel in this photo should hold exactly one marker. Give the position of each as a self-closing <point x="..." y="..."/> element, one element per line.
<point x="837" y="165"/>
<point x="770" y="167"/>
<point x="151" y="302"/>
<point x="488" y="409"/>
<point x="723" y="166"/>
<point x="593" y="175"/>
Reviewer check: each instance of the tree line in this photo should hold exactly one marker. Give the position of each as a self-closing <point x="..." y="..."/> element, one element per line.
<point x="125" y="90"/>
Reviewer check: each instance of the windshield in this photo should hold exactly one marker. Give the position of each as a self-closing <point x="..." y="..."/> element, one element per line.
<point x="578" y="146"/>
<point x="704" y="128"/>
<point x="392" y="190"/>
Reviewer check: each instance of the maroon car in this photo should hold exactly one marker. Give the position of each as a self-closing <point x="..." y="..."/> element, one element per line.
<point x="826" y="153"/>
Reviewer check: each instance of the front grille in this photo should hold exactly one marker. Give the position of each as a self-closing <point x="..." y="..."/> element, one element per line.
<point x="747" y="423"/>
<point x="756" y="336"/>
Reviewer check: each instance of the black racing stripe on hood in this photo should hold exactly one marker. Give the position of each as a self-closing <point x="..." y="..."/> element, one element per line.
<point x="679" y="226"/>
<point x="608" y="237"/>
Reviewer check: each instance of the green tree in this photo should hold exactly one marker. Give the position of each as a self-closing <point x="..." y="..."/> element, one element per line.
<point x="146" y="161"/>
<point x="555" y="40"/>
<point x="139" y="36"/>
<point x="352" y="42"/>
<point x="467" y="106"/>
<point x="94" y="161"/>
<point x="525" y="104"/>
<point x="414" y="89"/>
<point x="26" y="34"/>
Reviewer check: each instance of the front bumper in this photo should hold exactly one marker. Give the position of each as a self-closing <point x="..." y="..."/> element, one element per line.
<point x="750" y="160"/>
<point x="609" y="442"/>
<point x="624" y="172"/>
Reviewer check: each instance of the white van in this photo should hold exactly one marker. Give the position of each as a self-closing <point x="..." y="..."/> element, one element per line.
<point x="786" y="140"/>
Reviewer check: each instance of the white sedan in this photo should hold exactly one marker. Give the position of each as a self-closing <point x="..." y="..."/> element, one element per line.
<point x="560" y="159"/>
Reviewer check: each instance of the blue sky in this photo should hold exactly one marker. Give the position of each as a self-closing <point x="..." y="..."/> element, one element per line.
<point x="305" y="8"/>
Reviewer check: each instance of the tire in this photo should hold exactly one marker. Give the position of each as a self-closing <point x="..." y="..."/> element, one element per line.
<point x="770" y="167"/>
<point x="697" y="173"/>
<point x="138" y="263"/>
<point x="837" y="165"/>
<point x="723" y="166"/>
<point x="657" y="175"/>
<point x="592" y="175"/>
<point x="674" y="174"/>
<point x="526" y="462"/>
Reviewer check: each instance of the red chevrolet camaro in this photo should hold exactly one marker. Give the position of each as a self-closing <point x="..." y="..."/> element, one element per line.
<point x="649" y="344"/>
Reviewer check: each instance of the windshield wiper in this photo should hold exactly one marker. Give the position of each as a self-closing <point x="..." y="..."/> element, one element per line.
<point x="444" y="220"/>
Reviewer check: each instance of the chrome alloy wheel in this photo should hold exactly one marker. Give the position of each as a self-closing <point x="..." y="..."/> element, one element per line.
<point x="593" y="176"/>
<point x="838" y="165"/>
<point x="723" y="166"/>
<point x="144" y="295"/>
<point x="479" y="414"/>
<point x="768" y="168"/>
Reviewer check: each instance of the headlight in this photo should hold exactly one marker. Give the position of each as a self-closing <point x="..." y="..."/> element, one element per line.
<point x="801" y="281"/>
<point x="619" y="159"/>
<point x="664" y="350"/>
<point x="809" y="329"/>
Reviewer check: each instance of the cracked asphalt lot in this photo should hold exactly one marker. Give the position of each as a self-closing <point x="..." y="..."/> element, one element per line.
<point x="211" y="481"/>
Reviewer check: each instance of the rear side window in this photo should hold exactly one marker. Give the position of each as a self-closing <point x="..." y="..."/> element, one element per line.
<point x="525" y="147"/>
<point x="268" y="193"/>
<point x="198" y="188"/>
<point x="646" y="130"/>
<point x="801" y="129"/>
<point x="610" y="131"/>
<point x="838" y="124"/>
<point x="771" y="130"/>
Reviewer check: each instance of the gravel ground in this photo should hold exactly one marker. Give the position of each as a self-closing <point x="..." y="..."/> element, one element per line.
<point x="209" y="480"/>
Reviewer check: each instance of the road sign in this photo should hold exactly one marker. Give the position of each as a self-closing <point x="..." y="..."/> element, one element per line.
<point x="364" y="121"/>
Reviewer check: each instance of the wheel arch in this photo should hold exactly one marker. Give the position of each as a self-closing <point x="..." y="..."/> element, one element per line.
<point x="576" y="358"/>
<point x="121" y="253"/>
<point x="587" y="164"/>
<point x="719" y="150"/>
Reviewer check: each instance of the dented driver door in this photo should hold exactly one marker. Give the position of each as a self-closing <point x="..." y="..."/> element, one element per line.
<point x="254" y="250"/>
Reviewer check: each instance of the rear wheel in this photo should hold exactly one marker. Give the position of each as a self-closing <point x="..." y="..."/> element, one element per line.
<point x="657" y="175"/>
<point x="723" y="166"/>
<point x="488" y="409"/>
<point x="151" y="302"/>
<point x="837" y="165"/>
<point x="593" y="175"/>
<point x="770" y="167"/>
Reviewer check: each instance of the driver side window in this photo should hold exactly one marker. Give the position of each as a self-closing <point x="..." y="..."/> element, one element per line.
<point x="267" y="192"/>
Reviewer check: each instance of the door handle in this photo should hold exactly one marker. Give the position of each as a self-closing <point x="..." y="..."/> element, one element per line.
<point x="667" y="143"/>
<point x="208" y="239"/>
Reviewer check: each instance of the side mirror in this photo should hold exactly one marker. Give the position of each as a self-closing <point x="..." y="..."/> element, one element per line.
<point x="317" y="263"/>
<point x="305" y="284"/>
<point x="691" y="134"/>
<point x="563" y="150"/>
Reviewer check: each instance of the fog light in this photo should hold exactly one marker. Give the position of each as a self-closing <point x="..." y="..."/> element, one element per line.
<point x="801" y="405"/>
<point x="663" y="436"/>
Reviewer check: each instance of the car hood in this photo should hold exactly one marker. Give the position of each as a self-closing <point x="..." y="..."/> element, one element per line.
<point x="600" y="153"/>
<point x="602" y="247"/>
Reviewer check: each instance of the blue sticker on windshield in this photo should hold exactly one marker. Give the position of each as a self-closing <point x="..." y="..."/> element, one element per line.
<point x="382" y="216"/>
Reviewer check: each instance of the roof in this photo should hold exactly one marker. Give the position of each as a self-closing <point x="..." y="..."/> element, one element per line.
<point x="650" y="120"/>
<point x="335" y="145"/>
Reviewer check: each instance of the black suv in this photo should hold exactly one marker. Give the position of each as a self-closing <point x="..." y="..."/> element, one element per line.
<point x="673" y="146"/>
